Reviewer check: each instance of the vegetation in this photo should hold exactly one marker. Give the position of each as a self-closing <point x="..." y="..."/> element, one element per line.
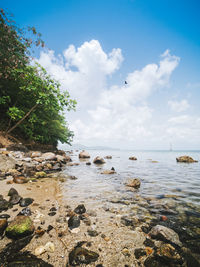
<point x="32" y="105"/>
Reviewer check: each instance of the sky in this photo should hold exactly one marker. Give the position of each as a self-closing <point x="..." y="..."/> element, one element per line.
<point x="94" y="46"/>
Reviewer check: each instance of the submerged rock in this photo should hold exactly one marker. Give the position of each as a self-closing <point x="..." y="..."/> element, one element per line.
<point x="81" y="255"/>
<point x="80" y="209"/>
<point x="26" y="260"/>
<point x="139" y="252"/>
<point x="161" y="232"/>
<point x="84" y="155"/>
<point x="186" y="159"/>
<point x="99" y="160"/>
<point x="135" y="183"/>
<point x="169" y="253"/>
<point x="74" y="222"/>
<point x="20" y="227"/>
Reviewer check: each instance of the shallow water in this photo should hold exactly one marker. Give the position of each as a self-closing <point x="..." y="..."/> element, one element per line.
<point x="163" y="181"/>
<point x="165" y="176"/>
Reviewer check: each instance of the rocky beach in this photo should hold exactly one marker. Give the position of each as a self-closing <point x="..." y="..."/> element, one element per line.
<point x="47" y="219"/>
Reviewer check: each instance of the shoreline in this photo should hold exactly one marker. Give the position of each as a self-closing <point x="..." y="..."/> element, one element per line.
<point x="108" y="235"/>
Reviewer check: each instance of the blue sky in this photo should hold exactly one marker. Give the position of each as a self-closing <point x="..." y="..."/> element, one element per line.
<point x="165" y="101"/>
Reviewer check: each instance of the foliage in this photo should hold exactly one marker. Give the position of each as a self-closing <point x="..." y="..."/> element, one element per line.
<point x="31" y="102"/>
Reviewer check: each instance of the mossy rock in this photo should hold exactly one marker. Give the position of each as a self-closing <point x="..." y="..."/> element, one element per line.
<point x="20" y="227"/>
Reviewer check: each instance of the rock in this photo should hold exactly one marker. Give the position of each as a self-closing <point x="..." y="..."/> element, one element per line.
<point x="4" y="205"/>
<point x="24" y="202"/>
<point x="26" y="259"/>
<point x="4" y="216"/>
<point x="92" y="232"/>
<point x="49" y="247"/>
<point x="12" y="191"/>
<point x="73" y="164"/>
<point x="88" y="163"/>
<point x="3" y="225"/>
<point x="169" y="253"/>
<point x="20" y="227"/>
<point x="98" y="160"/>
<point x="6" y="163"/>
<point x="13" y="172"/>
<point x="73" y="222"/>
<point x="80" y="209"/>
<point x="149" y="243"/>
<point x="40" y="175"/>
<point x="25" y="212"/>
<point x="36" y="154"/>
<point x="72" y="177"/>
<point x="161" y="232"/>
<point x="53" y="213"/>
<point x="108" y="172"/>
<point x="26" y="159"/>
<point x="152" y="261"/>
<point x="81" y="255"/>
<point x="39" y="250"/>
<point x="17" y="147"/>
<point x="49" y="156"/>
<point x="186" y="159"/>
<point x="132" y="158"/>
<point x="135" y="183"/>
<point x="84" y="155"/>
<point x="108" y="157"/>
<point x="129" y="221"/>
<point x="20" y="180"/>
<point x="139" y="252"/>
<point x="57" y="167"/>
<point x="15" y="199"/>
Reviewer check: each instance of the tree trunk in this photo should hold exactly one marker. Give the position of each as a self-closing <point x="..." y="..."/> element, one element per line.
<point x="22" y="119"/>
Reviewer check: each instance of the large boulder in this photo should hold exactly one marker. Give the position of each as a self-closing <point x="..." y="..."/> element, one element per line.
<point x="161" y="232"/>
<point x="186" y="159"/>
<point x="21" y="226"/>
<point x="6" y="163"/>
<point x="99" y="160"/>
<point x="84" y="155"/>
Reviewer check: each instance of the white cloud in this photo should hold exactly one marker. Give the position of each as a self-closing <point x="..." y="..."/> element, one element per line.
<point x="178" y="106"/>
<point x="116" y="114"/>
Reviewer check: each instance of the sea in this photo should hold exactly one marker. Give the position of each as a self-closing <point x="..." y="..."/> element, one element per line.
<point x="168" y="188"/>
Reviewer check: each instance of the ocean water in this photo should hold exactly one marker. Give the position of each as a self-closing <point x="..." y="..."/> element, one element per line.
<point x="158" y="170"/>
<point x="167" y="187"/>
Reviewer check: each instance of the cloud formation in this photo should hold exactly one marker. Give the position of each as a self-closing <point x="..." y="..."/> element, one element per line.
<point x="178" y="106"/>
<point x="117" y="114"/>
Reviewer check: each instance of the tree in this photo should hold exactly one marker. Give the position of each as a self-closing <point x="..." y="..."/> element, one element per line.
<point x="31" y="102"/>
